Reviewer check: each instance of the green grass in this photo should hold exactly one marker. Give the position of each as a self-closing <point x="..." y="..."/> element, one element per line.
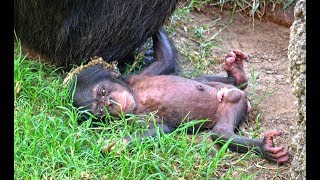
<point x="197" y="53"/>
<point x="252" y="6"/>
<point x="49" y="142"/>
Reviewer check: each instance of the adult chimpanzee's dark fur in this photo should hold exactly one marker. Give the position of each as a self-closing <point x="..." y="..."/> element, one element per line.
<point x="69" y="31"/>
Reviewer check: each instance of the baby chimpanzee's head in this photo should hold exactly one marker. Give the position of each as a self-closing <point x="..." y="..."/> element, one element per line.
<point x="101" y="91"/>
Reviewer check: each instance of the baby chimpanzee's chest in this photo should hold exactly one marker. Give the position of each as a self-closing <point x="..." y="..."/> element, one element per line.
<point x="184" y="99"/>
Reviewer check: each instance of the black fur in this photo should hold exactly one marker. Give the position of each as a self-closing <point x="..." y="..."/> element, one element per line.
<point x="71" y="31"/>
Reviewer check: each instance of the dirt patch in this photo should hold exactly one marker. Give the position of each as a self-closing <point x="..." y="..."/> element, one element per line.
<point x="267" y="44"/>
<point x="280" y="15"/>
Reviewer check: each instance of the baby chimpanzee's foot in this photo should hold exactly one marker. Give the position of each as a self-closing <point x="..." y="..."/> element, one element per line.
<point x="222" y="93"/>
<point x="234" y="67"/>
<point x="272" y="153"/>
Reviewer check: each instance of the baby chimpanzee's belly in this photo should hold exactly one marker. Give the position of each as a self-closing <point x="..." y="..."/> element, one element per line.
<point x="178" y="99"/>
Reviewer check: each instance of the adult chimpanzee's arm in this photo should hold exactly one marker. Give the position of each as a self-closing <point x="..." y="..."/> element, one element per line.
<point x="164" y="54"/>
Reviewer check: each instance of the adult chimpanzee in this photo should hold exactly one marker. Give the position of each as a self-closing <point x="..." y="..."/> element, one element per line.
<point x="173" y="98"/>
<point x="72" y="31"/>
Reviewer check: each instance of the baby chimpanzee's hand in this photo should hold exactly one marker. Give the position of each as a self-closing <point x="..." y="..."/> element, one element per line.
<point x="110" y="145"/>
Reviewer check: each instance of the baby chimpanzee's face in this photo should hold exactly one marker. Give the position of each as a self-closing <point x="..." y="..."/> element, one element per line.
<point x="111" y="97"/>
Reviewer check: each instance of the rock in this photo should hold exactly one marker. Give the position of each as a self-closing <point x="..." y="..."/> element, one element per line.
<point x="297" y="58"/>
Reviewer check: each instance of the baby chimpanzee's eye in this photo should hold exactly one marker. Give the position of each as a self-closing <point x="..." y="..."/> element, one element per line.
<point x="103" y="91"/>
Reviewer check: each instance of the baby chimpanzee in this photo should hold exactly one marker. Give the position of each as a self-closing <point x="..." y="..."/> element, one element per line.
<point x="173" y="98"/>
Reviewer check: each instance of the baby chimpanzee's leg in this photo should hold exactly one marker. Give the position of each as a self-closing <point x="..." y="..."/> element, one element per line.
<point x="226" y="93"/>
<point x="233" y="104"/>
<point x="232" y="112"/>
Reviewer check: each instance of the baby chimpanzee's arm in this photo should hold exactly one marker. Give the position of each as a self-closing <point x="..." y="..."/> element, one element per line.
<point x="165" y="56"/>
<point x="234" y="68"/>
<point x="151" y="132"/>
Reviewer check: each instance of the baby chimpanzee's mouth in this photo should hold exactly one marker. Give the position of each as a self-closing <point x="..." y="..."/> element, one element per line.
<point x="123" y="106"/>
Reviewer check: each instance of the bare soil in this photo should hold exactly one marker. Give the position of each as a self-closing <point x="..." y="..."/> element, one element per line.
<point x="267" y="44"/>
